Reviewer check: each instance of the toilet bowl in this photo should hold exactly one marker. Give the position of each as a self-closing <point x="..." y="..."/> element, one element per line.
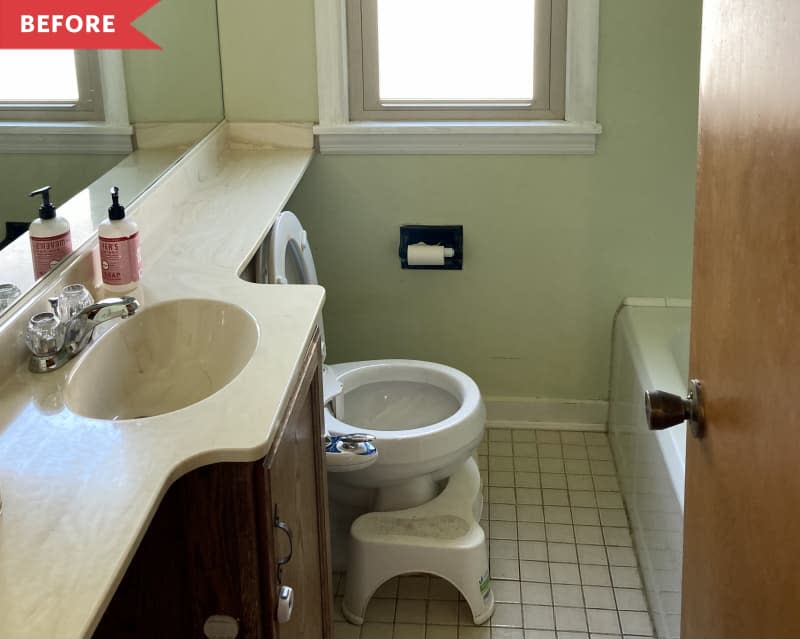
<point x="427" y="418"/>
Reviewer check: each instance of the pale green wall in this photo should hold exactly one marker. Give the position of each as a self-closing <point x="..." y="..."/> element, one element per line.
<point x="551" y="243"/>
<point x="268" y="59"/>
<point x="182" y="82"/>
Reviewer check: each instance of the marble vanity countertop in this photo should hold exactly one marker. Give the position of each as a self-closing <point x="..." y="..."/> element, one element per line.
<point x="78" y="493"/>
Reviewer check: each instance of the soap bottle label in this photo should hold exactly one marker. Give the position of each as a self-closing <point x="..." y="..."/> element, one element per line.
<point x="48" y="251"/>
<point x="120" y="259"/>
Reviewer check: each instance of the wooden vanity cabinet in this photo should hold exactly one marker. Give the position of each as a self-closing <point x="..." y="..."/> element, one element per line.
<point x="216" y="542"/>
<point x="294" y="481"/>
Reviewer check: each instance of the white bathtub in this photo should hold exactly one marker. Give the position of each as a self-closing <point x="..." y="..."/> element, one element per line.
<point x="651" y="351"/>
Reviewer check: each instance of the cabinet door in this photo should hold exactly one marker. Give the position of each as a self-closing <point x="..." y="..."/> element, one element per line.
<point x="296" y="497"/>
<point x="200" y="557"/>
<point x="212" y="547"/>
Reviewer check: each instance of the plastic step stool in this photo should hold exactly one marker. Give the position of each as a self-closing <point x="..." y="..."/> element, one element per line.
<point x="441" y="537"/>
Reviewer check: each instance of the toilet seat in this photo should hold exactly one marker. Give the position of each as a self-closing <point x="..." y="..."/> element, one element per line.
<point x="445" y="380"/>
<point x="290" y="260"/>
<point x="289" y="248"/>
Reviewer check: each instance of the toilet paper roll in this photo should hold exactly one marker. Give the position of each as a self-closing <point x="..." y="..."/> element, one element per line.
<point x="427" y="255"/>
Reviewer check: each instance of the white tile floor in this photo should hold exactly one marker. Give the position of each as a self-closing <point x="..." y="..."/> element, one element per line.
<point x="560" y="552"/>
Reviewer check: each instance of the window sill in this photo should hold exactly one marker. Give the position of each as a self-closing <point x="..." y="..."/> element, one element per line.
<point x="459" y="138"/>
<point x="65" y="137"/>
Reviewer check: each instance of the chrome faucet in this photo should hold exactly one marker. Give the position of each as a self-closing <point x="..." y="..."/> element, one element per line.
<point x="53" y="344"/>
<point x="79" y="329"/>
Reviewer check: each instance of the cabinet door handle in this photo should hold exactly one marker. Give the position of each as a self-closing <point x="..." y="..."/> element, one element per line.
<point x="281" y="525"/>
<point x="285" y="603"/>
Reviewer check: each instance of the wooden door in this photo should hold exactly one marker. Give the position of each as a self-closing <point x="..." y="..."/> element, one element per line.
<point x="742" y="517"/>
<point x="296" y="495"/>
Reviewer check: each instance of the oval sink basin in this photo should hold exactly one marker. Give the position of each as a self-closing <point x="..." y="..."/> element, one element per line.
<point x="166" y="357"/>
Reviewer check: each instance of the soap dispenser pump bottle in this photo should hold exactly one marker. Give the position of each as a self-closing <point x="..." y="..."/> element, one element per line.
<point x="120" y="252"/>
<point x="51" y="240"/>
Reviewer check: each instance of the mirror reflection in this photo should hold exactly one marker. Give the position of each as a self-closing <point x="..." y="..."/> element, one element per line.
<point x="81" y="122"/>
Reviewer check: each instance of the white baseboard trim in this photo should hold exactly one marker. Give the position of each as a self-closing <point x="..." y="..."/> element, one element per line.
<point x="585" y="428"/>
<point x="546" y="414"/>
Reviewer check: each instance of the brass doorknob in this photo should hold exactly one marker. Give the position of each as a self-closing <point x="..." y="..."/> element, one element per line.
<point x="666" y="409"/>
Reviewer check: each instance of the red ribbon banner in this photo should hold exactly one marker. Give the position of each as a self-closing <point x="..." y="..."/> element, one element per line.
<point x="73" y="24"/>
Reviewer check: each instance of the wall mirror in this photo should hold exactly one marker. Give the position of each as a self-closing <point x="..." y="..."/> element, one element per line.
<point x="84" y="121"/>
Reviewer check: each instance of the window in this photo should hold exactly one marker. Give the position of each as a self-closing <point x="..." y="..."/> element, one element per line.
<point x="456" y="59"/>
<point x="457" y="76"/>
<point x="50" y="85"/>
<point x="63" y="101"/>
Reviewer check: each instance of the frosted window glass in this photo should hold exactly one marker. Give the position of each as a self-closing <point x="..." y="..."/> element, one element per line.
<point x="453" y="50"/>
<point x="38" y="75"/>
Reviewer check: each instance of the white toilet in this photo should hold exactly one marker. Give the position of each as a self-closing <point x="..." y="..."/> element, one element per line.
<point x="413" y="502"/>
<point x="427" y="418"/>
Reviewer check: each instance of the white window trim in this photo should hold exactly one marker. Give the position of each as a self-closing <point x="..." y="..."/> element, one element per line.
<point x="110" y="136"/>
<point x="575" y="135"/>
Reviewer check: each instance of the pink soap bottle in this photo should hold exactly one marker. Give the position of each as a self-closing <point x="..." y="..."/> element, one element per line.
<point x="120" y="252"/>
<point x="51" y="240"/>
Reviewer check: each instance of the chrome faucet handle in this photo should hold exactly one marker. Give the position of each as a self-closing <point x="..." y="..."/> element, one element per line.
<point x="72" y="300"/>
<point x="44" y="337"/>
<point x="44" y="334"/>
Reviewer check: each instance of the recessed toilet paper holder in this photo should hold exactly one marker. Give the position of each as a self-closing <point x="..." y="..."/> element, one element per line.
<point x="451" y="237"/>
